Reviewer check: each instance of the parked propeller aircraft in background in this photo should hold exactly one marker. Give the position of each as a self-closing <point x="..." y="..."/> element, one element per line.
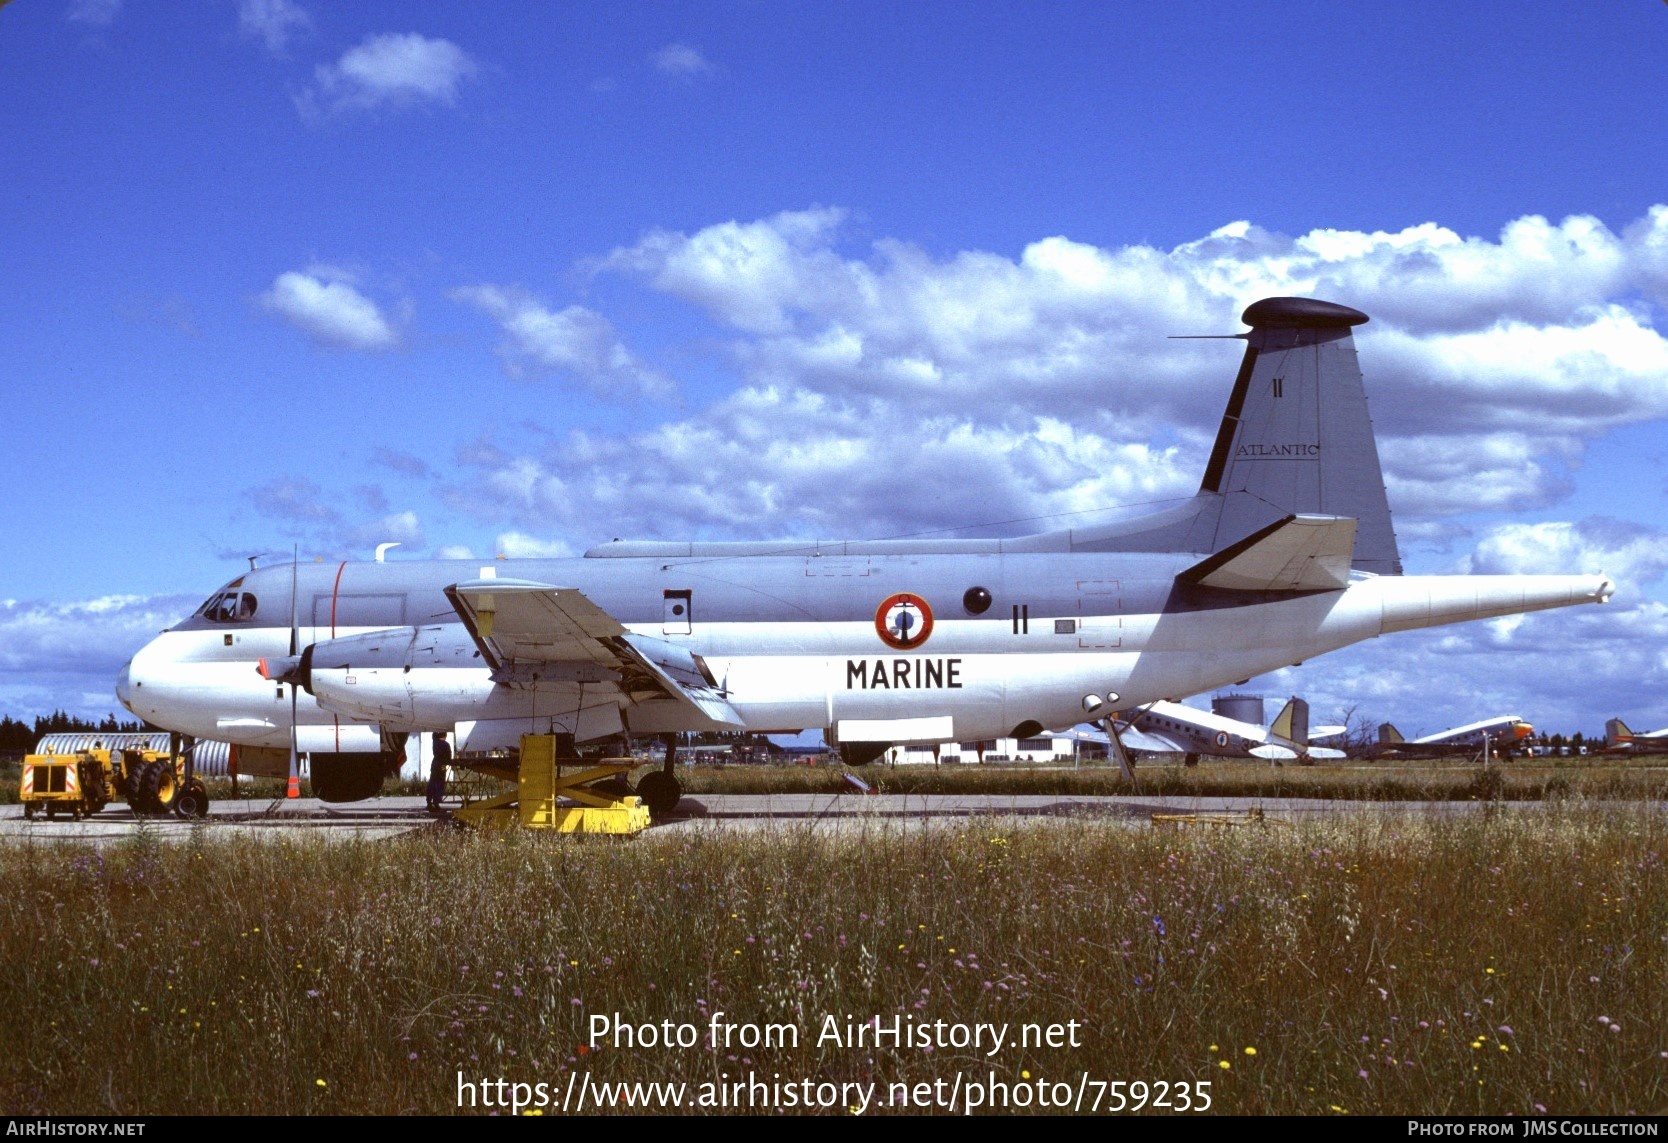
<point x="1507" y="734"/>
<point x="1618" y="738"/>
<point x="1171" y="728"/>
<point x="1285" y="552"/>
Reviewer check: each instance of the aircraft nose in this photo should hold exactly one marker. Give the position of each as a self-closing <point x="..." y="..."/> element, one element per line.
<point x="124" y="685"/>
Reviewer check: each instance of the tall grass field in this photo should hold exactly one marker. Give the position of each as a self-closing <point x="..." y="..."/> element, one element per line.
<point x="1510" y="962"/>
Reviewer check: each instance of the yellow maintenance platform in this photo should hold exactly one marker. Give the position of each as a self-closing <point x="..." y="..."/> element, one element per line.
<point x="545" y="798"/>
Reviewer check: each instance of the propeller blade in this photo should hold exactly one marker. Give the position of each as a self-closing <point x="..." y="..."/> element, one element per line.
<point x="294" y="790"/>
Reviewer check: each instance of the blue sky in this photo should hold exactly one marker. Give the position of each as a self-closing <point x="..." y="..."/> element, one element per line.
<point x="518" y="278"/>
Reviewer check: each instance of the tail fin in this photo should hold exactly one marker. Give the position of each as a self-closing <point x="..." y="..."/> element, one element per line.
<point x="1292" y="723"/>
<point x="1295" y="441"/>
<point x="1388" y="735"/>
<point x="1296" y="437"/>
<point x="1615" y="731"/>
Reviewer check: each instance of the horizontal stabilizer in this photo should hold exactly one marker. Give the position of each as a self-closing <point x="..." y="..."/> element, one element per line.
<point x="1273" y="753"/>
<point x="1299" y="553"/>
<point x="1326" y="754"/>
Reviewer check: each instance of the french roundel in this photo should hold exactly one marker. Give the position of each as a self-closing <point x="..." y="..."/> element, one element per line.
<point x="903" y="621"/>
<point x="1222" y="738"/>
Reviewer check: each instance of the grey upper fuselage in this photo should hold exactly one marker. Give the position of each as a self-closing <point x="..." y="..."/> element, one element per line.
<point x="825" y="583"/>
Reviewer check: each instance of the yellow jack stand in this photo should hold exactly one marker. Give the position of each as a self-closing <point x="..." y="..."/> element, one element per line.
<point x="537" y="801"/>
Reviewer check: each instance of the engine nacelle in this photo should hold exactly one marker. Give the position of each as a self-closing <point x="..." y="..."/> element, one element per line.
<point x="402" y="677"/>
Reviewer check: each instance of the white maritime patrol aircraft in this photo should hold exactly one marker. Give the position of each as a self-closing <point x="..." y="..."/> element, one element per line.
<point x="1506" y="734"/>
<point x="1285" y="552"/>
<point x="1171" y="728"/>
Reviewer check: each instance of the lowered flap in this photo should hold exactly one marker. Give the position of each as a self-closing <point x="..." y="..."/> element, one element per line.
<point x="1299" y="553"/>
<point x="683" y="675"/>
<point x="562" y="635"/>
<point x="519" y="621"/>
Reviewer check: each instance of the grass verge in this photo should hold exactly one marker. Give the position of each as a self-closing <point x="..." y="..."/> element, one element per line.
<point x="1504" y="963"/>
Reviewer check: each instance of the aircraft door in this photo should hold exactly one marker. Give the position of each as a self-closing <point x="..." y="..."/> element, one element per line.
<point x="1100" y="623"/>
<point x="679" y="612"/>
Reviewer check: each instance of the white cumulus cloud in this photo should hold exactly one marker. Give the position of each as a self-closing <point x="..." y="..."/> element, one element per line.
<point x="681" y="61"/>
<point x="574" y="340"/>
<point x="881" y="390"/>
<point x="393" y="69"/>
<point x="519" y="545"/>
<point x="329" y="311"/>
<point x="272" y="22"/>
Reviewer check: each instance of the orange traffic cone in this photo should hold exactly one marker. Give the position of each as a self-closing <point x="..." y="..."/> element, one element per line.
<point x="295" y="787"/>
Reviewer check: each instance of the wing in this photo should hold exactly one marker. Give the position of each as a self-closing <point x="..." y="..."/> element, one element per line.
<point x="533" y="632"/>
<point x="1149" y="742"/>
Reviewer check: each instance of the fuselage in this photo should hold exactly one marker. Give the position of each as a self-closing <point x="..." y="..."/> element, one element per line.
<point x="795" y="641"/>
<point x="1199" y="731"/>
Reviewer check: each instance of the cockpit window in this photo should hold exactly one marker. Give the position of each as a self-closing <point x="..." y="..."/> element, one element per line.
<point x="229" y="607"/>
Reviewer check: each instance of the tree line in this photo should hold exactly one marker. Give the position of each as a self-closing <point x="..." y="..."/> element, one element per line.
<point x="18" y="737"/>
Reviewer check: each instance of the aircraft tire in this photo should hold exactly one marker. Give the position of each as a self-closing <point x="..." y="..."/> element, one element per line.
<point x="1190" y="760"/>
<point x="660" y="792"/>
<point x="193" y="801"/>
<point x="346" y="777"/>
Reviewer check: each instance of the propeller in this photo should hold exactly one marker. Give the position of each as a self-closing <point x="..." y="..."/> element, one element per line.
<point x="294" y="790"/>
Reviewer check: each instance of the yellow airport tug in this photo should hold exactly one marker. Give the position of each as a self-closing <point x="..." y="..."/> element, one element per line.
<point x="80" y="783"/>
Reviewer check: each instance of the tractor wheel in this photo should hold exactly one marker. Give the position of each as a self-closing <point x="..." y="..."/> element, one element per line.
<point x="159" y="786"/>
<point x="29" y="809"/>
<point x="137" y="775"/>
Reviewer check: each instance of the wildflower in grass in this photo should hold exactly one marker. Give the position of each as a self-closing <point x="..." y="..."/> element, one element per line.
<point x="1224" y="1065"/>
<point x="1250" y="1051"/>
<point x="1362" y="1073"/>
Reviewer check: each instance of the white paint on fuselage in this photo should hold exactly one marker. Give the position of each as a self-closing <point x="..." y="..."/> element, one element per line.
<point x="782" y="676"/>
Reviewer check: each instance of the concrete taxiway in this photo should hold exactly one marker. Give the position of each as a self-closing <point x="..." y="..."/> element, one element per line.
<point x="394" y="816"/>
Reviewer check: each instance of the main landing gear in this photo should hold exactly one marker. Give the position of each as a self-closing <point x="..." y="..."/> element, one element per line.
<point x="659" y="789"/>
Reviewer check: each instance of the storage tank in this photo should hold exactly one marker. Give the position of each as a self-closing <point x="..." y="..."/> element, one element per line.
<point x="1244" y="708"/>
